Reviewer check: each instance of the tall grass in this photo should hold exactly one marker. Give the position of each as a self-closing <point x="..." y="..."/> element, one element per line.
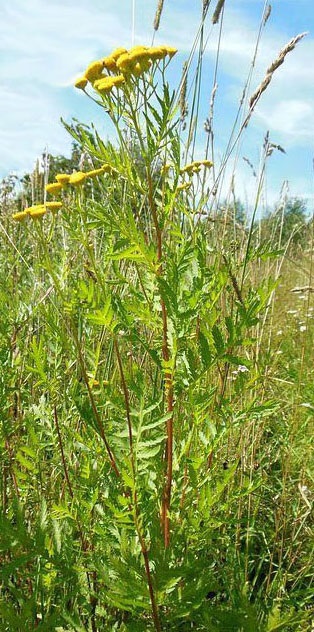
<point x="156" y="385"/>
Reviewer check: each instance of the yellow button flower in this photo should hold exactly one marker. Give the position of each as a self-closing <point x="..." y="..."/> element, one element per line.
<point x="94" y="173"/>
<point x="104" y="85"/>
<point x="118" y="52"/>
<point x="94" y="70"/>
<point x="124" y="63"/>
<point x="19" y="217"/>
<point x="141" y="67"/>
<point x="77" y="178"/>
<point x="156" y="52"/>
<point x="54" y="187"/>
<point x="138" y="53"/>
<point x="184" y="186"/>
<point x="188" y="168"/>
<point x="81" y="83"/>
<point x="53" y="206"/>
<point x="107" y="83"/>
<point x="170" y="50"/>
<point x="110" y="63"/>
<point x="37" y="213"/>
<point x="63" y="178"/>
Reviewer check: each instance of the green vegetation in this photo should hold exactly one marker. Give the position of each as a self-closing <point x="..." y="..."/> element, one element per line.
<point x="156" y="390"/>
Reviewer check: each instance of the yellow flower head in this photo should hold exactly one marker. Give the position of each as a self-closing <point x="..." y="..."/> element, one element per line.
<point x="63" y="178"/>
<point x="81" y="83"/>
<point x="118" y="80"/>
<point x="54" y="187"/>
<point x="37" y="212"/>
<point x="94" y="173"/>
<point x="141" y="67"/>
<point x="19" y="217"/>
<point x="207" y="163"/>
<point x="138" y="53"/>
<point x="107" y="83"/>
<point x="77" y="178"/>
<point x="188" y="168"/>
<point x="124" y="63"/>
<point x="170" y="50"/>
<point x="117" y="53"/>
<point x="110" y="63"/>
<point x="53" y="206"/>
<point x="184" y="186"/>
<point x="156" y="53"/>
<point x="104" y="85"/>
<point x="94" y="70"/>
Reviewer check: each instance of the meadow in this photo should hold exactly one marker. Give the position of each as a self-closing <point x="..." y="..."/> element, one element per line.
<point x="156" y="374"/>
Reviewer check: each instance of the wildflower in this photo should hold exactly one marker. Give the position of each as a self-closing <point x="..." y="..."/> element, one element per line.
<point x="138" y="53"/>
<point x="303" y="328"/>
<point x="81" y="83"/>
<point x="94" y="70"/>
<point x="19" y="217"/>
<point x="124" y="63"/>
<point x="110" y="63"/>
<point x="188" y="168"/>
<point x="118" y="80"/>
<point x="104" y="85"/>
<point x="63" y="178"/>
<point x="53" y="206"/>
<point x="77" y="178"/>
<point x="94" y="173"/>
<point x="118" y="52"/>
<point x="54" y="187"/>
<point x="107" y="83"/>
<point x="170" y="50"/>
<point x="207" y="163"/>
<point x="141" y="67"/>
<point x="37" y="213"/>
<point x="184" y="186"/>
<point x="156" y="53"/>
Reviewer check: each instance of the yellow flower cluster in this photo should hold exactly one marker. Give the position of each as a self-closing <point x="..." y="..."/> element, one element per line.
<point x="77" y="178"/>
<point x="37" y="211"/>
<point x="113" y="71"/>
<point x="195" y="167"/>
<point x="62" y="180"/>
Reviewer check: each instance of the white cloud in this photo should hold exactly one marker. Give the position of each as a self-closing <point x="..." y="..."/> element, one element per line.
<point x="291" y="118"/>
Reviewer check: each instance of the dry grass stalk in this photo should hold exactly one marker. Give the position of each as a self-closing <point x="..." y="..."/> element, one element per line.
<point x="270" y="71"/>
<point x="184" y="83"/>
<point x="218" y="10"/>
<point x="158" y="13"/>
<point x="267" y="13"/>
<point x="205" y="6"/>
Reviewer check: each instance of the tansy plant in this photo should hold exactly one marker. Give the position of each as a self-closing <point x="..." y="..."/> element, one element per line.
<point x="150" y="314"/>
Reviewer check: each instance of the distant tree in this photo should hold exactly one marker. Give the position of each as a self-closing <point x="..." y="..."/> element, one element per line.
<point x="288" y="222"/>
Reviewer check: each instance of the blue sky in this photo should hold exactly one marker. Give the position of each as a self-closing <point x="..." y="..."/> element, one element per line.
<point x="46" y="45"/>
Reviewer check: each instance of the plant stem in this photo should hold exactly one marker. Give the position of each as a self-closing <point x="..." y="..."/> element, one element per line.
<point x="135" y="500"/>
<point x="168" y="379"/>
